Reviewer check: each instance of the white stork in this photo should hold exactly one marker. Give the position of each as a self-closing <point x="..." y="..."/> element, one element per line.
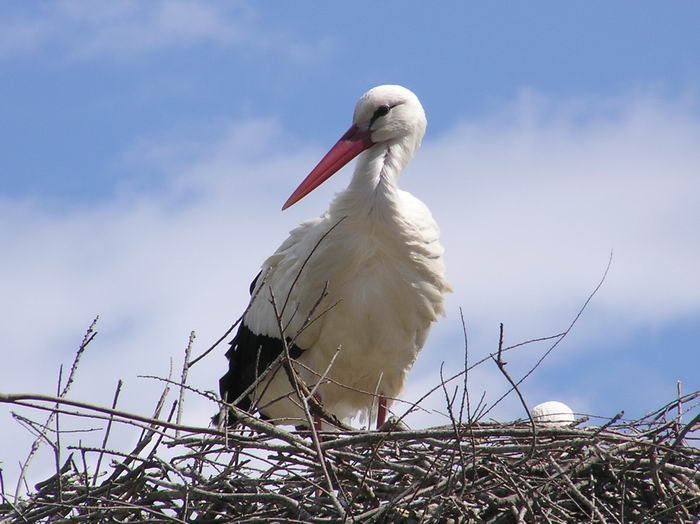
<point x="376" y="252"/>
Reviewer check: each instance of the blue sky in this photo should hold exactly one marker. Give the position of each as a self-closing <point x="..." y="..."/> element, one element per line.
<point x="304" y="65"/>
<point x="148" y="147"/>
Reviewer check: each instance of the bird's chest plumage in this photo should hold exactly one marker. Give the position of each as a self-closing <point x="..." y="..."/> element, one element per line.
<point x="376" y="304"/>
<point x="375" y="314"/>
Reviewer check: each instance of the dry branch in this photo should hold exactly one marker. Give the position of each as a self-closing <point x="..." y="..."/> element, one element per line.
<point x="624" y="472"/>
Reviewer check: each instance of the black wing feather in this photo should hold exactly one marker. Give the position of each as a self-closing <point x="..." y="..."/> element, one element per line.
<point x="247" y="349"/>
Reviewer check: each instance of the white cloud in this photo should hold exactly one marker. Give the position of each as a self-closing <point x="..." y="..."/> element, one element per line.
<point x="128" y="28"/>
<point x="530" y="201"/>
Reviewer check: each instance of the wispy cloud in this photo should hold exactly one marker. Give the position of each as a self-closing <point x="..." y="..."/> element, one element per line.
<point x="533" y="200"/>
<point x="530" y="201"/>
<point x="124" y="29"/>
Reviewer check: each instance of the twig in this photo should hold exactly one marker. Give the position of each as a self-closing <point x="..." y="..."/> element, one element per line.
<point x="183" y="379"/>
<point x="223" y="337"/>
<point x="306" y="261"/>
<point x="107" y="431"/>
<point x="502" y="368"/>
<point x="89" y="336"/>
<point x="305" y="398"/>
<point x="561" y="336"/>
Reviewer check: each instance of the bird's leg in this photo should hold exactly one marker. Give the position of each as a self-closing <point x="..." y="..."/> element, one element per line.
<point x="381" y="412"/>
<point x="317" y="419"/>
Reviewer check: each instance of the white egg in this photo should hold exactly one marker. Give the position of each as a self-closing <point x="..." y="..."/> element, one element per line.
<point x="552" y="413"/>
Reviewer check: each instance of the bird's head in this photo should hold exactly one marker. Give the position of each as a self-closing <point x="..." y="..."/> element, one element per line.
<point x="384" y="114"/>
<point x="390" y="113"/>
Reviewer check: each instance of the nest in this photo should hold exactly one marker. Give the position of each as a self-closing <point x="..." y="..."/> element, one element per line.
<point x="646" y="470"/>
<point x="641" y="471"/>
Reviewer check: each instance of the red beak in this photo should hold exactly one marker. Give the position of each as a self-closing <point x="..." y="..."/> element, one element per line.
<point x="351" y="144"/>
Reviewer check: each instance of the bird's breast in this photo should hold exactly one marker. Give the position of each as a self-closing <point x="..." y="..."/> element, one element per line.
<point x="377" y="300"/>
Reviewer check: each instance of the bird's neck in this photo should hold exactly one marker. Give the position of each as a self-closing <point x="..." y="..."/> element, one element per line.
<point x="373" y="190"/>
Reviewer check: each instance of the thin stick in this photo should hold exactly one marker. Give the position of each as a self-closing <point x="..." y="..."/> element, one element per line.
<point x="465" y="389"/>
<point x="183" y="380"/>
<point x="502" y="368"/>
<point x="233" y="326"/>
<point x="253" y="422"/>
<point x="563" y="335"/>
<point x="89" y="336"/>
<point x="107" y="431"/>
<point x="298" y="385"/>
<point x="57" y="446"/>
<point x="306" y="261"/>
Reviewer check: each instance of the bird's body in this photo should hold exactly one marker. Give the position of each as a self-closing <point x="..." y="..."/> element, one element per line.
<point x="376" y="255"/>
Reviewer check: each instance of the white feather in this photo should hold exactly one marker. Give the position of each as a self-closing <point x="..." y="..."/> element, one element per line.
<point x="384" y="270"/>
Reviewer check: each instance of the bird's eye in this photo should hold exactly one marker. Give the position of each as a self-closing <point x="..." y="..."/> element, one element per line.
<point x="381" y="111"/>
